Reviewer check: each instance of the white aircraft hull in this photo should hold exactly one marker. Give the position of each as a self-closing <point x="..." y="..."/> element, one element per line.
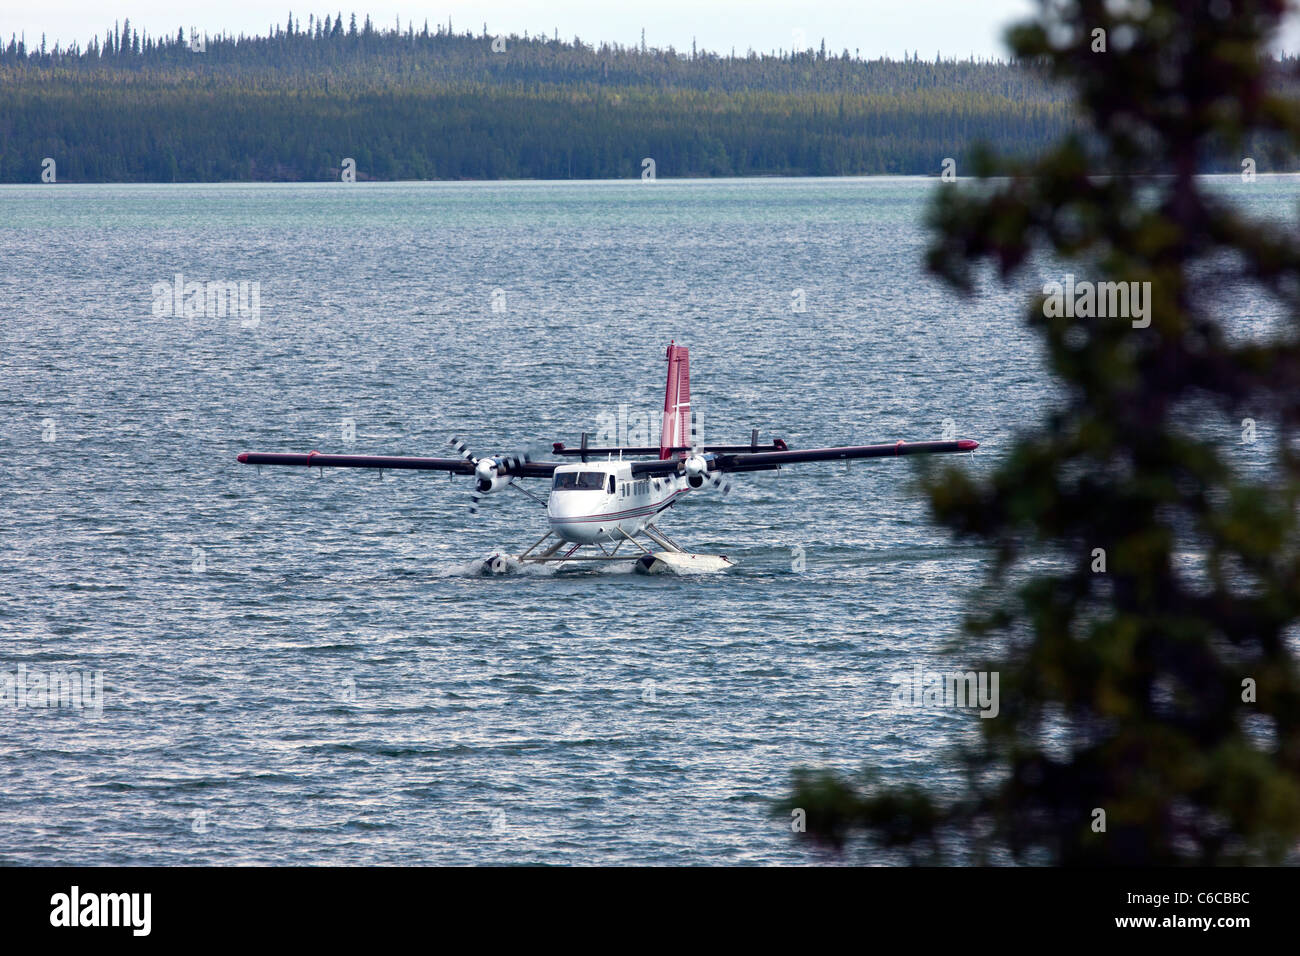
<point x="591" y="517"/>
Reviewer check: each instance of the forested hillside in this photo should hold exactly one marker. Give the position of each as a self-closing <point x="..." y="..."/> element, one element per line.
<point x="411" y="102"/>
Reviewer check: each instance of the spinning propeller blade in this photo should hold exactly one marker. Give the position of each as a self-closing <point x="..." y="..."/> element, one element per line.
<point x="462" y="449"/>
<point x="493" y="473"/>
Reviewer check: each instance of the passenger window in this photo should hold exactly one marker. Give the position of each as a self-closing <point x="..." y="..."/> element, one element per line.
<point x="611" y="484"/>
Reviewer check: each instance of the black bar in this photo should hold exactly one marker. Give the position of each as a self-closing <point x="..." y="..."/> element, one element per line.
<point x="916" y="908"/>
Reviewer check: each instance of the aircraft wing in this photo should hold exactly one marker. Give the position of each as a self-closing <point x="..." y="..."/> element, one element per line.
<point x="726" y="462"/>
<point x="771" y="460"/>
<point x="459" y="466"/>
<point x="765" y="460"/>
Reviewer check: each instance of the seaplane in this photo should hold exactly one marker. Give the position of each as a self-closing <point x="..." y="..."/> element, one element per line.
<point x="611" y="497"/>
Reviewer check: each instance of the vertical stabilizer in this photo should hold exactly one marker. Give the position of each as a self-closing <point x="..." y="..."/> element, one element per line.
<point x="677" y="402"/>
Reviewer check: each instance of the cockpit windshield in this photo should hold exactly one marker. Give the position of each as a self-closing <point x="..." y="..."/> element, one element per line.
<point x="579" y="481"/>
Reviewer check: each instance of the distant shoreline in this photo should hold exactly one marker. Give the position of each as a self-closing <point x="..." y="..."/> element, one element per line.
<point x="330" y="103"/>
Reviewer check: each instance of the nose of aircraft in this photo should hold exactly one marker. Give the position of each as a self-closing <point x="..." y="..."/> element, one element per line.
<point x="566" y="508"/>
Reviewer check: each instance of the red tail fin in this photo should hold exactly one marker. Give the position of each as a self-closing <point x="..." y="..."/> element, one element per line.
<point x="677" y="402"/>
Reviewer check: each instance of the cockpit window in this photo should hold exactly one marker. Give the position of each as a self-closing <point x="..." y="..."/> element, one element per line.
<point x="579" y="481"/>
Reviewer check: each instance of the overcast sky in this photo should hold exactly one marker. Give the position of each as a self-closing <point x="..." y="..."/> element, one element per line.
<point x="875" y="27"/>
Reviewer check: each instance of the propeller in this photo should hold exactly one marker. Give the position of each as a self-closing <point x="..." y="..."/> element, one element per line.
<point x="697" y="472"/>
<point x="491" y="473"/>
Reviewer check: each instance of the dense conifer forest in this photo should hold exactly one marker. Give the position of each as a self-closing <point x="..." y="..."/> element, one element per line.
<point x="419" y="102"/>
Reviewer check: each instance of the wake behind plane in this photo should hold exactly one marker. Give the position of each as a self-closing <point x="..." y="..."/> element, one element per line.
<point x="603" y="498"/>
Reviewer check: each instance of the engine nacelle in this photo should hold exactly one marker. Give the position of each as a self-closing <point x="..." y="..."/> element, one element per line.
<point x="696" y="467"/>
<point x="487" y="476"/>
<point x="495" y="483"/>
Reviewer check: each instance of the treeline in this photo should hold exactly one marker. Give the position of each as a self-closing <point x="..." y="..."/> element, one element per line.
<point x="409" y="102"/>
<point x="110" y="132"/>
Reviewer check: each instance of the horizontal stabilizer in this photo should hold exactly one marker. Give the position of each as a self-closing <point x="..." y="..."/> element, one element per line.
<point x="602" y="451"/>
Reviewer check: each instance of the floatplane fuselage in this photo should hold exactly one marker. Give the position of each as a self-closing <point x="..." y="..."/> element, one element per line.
<point x="602" y="501"/>
<point x="612" y="496"/>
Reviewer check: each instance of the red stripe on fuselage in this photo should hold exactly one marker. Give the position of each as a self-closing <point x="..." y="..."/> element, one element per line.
<point x="619" y="515"/>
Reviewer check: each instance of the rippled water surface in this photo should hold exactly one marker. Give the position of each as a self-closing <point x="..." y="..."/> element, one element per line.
<point x="301" y="669"/>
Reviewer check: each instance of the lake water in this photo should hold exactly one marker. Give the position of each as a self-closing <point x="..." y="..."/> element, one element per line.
<point x="302" y="670"/>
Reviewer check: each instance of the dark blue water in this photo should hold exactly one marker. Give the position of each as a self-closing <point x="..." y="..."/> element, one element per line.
<point x="303" y="670"/>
